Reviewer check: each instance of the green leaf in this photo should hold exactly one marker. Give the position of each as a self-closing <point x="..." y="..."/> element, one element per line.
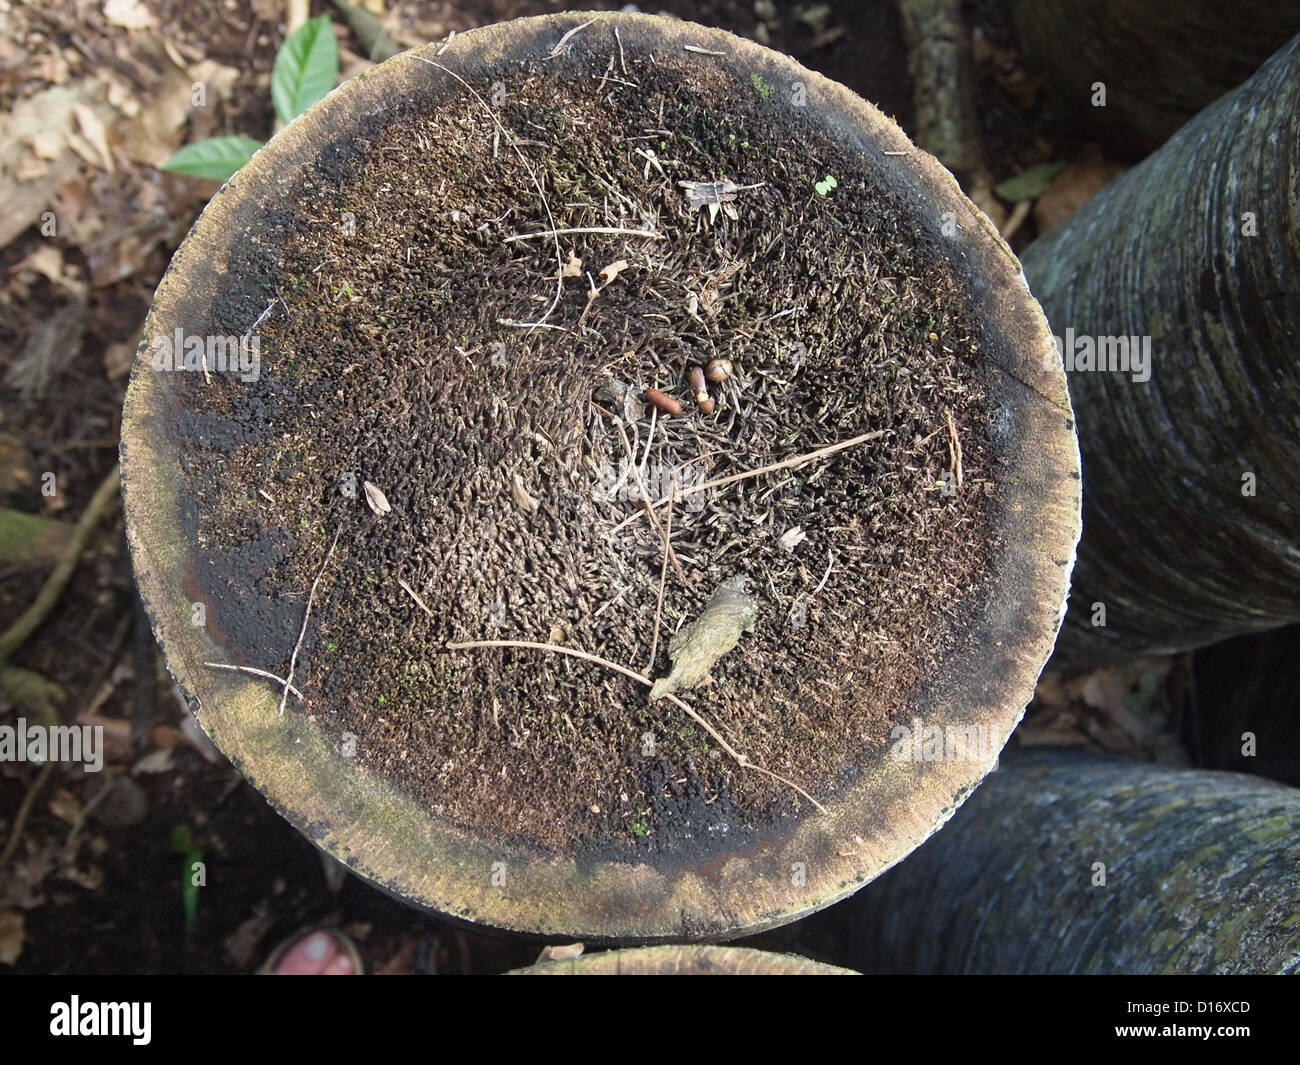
<point x="1029" y="185"/>
<point x="216" y="158"/>
<point x="306" y="68"/>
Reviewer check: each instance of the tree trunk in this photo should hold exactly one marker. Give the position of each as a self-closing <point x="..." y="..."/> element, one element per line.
<point x="1199" y="871"/>
<point x="1161" y="63"/>
<point x="1191" y="476"/>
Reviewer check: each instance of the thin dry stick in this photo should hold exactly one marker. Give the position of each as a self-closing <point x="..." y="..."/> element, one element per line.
<point x="825" y="576"/>
<point x="559" y="258"/>
<point x="954" y="447"/>
<point x="257" y="673"/>
<point x="411" y="592"/>
<point x="784" y="464"/>
<point x="311" y="595"/>
<point x="621" y="63"/>
<point x="612" y="231"/>
<point x="20" y="818"/>
<point x="565" y="39"/>
<point x="574" y="653"/>
<point x="30" y="620"/>
<point x="663" y="577"/>
<point x="645" y="501"/>
<point x="654" y="422"/>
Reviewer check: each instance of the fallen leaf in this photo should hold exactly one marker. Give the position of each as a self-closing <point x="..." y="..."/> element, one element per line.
<point x="30" y="168"/>
<point x="1073" y="187"/>
<point x="11" y="936"/>
<point x="23" y="201"/>
<point x="715" y="195"/>
<point x="376" y="498"/>
<point x="159" y="761"/>
<point x="48" y="143"/>
<point x="47" y="260"/>
<point x="65" y="807"/>
<point x="792" y="538"/>
<point x="571" y="268"/>
<point x="94" y="134"/>
<point x="119" y="357"/>
<point x="154" y="134"/>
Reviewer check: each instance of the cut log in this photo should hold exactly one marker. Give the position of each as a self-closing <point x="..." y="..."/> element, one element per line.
<point x="1077" y="863"/>
<point x="1175" y="294"/>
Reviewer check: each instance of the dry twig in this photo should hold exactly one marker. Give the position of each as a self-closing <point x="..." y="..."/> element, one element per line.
<point x="663" y="576"/>
<point x="681" y="704"/>
<point x="257" y="673"/>
<point x="311" y="595"/>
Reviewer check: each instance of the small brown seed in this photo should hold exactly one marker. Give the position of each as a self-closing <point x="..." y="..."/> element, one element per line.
<point x="718" y="370"/>
<point x="663" y="401"/>
<point x="707" y="405"/>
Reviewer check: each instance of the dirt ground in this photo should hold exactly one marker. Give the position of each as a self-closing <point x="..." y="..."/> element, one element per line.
<point x="91" y="874"/>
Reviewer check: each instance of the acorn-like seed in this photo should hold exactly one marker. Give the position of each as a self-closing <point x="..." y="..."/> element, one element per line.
<point x="707" y="405"/>
<point x="718" y="370"/>
<point x="663" y="401"/>
<point x="696" y="377"/>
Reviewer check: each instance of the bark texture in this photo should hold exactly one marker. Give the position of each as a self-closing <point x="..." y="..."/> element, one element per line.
<point x="1200" y="876"/>
<point x="940" y="62"/>
<point x="1191" y="478"/>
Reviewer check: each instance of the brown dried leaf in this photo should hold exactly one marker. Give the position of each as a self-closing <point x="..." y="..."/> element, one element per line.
<point x="94" y="134"/>
<point x="119" y="358"/>
<point x="1073" y="187"/>
<point x="48" y="143"/>
<point x="11" y="936"/>
<point x="64" y="805"/>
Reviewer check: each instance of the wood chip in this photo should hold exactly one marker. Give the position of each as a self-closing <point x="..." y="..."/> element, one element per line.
<point x="792" y="538"/>
<point x="572" y="267"/>
<point x="561" y="952"/>
<point x="613" y="270"/>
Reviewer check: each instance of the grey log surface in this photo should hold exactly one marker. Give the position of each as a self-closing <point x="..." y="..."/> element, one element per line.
<point x="1202" y="876"/>
<point x="1173" y="545"/>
